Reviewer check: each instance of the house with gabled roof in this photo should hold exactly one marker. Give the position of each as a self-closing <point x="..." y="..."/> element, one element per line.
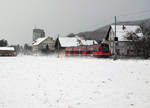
<point x="65" y="42"/>
<point x="123" y="43"/>
<point x="7" y="51"/>
<point x="43" y="43"/>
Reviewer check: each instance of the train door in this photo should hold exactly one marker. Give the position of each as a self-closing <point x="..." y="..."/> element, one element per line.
<point x="95" y="50"/>
<point x="83" y="50"/>
<point x="89" y="50"/>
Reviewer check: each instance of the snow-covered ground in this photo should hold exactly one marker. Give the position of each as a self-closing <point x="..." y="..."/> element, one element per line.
<point x="50" y="82"/>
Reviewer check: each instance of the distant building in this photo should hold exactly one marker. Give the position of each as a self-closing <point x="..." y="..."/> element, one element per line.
<point x="7" y="51"/>
<point x="38" y="33"/>
<point x="123" y="45"/>
<point x="44" y="43"/>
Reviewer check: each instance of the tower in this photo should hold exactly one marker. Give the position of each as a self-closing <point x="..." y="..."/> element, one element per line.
<point x="38" y="33"/>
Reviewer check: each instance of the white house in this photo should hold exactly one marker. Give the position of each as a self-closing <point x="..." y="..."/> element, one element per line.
<point x="43" y="43"/>
<point x="122" y="32"/>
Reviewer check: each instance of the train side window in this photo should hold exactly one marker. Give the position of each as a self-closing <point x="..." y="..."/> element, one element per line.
<point x="95" y="49"/>
<point x="105" y="48"/>
<point x="99" y="49"/>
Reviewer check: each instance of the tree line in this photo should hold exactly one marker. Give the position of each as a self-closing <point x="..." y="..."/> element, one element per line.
<point x="25" y="49"/>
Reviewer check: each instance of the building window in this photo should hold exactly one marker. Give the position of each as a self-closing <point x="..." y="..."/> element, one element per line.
<point x="118" y="51"/>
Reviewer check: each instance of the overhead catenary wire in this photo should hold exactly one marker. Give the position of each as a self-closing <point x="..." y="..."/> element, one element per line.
<point x="109" y="20"/>
<point x="138" y="15"/>
<point x="135" y="13"/>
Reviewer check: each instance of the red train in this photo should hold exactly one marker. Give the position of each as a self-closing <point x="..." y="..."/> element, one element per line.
<point x="101" y="50"/>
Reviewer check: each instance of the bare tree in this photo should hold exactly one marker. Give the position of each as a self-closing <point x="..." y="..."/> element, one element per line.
<point x="3" y="43"/>
<point x="140" y="45"/>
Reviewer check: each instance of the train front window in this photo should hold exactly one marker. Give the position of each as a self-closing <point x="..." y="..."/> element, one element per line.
<point x="105" y="48"/>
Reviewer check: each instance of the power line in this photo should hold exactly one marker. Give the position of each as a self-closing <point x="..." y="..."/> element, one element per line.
<point x="108" y="20"/>
<point x="100" y="24"/>
<point x="135" y="13"/>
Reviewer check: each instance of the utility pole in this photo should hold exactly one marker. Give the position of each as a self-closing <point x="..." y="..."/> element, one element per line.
<point x="115" y="54"/>
<point x="58" y="46"/>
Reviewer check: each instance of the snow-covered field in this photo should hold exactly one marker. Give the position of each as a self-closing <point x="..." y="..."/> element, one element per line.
<point x="50" y="82"/>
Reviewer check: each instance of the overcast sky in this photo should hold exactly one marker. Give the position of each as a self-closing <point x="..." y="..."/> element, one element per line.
<point x="19" y="17"/>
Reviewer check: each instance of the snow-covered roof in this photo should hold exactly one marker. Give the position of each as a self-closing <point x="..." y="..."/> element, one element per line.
<point x="88" y="42"/>
<point x="123" y="30"/>
<point x="7" y="48"/>
<point x="73" y="42"/>
<point x="39" y="40"/>
<point x="68" y="41"/>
